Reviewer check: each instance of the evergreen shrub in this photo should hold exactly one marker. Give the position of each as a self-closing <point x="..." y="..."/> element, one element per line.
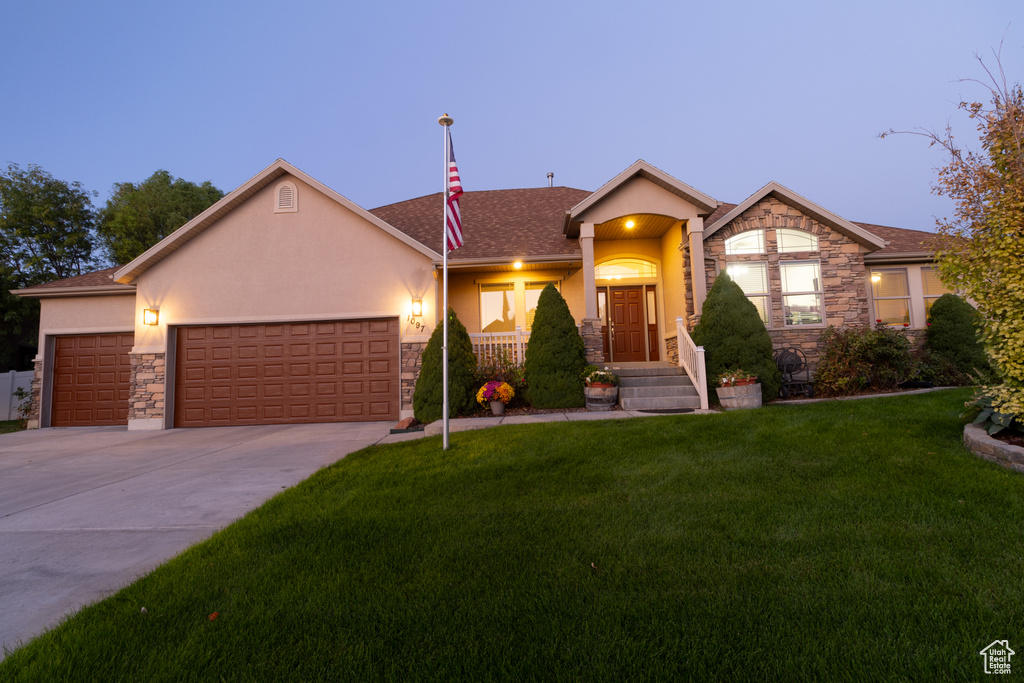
<point x="734" y="337"/>
<point x="857" y="358"/>
<point x="555" y="356"/>
<point x="953" y="335"/>
<point x="428" y="398"/>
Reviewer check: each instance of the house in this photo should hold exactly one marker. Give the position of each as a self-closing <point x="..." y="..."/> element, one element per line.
<point x="286" y="302"/>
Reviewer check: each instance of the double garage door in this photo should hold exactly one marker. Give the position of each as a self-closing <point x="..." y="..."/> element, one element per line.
<point x="335" y="371"/>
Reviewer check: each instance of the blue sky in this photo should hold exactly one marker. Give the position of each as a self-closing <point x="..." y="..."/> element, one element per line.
<point x="725" y="96"/>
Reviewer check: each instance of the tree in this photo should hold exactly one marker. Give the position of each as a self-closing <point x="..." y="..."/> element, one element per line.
<point x="138" y="216"/>
<point x="46" y="225"/>
<point x="428" y="397"/>
<point x="734" y="337"/>
<point x="953" y="335"/>
<point x="980" y="251"/>
<point x="555" y="356"/>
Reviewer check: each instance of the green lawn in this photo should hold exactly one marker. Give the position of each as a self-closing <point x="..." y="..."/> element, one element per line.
<point x="7" y="426"/>
<point x="849" y="541"/>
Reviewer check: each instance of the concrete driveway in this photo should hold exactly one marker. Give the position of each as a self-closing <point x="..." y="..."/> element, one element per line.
<point x="86" y="510"/>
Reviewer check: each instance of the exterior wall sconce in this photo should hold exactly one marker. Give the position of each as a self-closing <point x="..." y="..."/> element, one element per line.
<point x="417" y="307"/>
<point x="150" y="316"/>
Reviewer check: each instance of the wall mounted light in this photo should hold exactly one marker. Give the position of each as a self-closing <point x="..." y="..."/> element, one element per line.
<point x="417" y="307"/>
<point x="150" y="316"/>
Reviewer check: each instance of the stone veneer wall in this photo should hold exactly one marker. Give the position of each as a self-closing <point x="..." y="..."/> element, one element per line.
<point x="984" y="446"/>
<point x="147" y="386"/>
<point x="843" y="273"/>
<point x="32" y="421"/>
<point x="590" y="330"/>
<point x="672" y="350"/>
<point x="412" y="361"/>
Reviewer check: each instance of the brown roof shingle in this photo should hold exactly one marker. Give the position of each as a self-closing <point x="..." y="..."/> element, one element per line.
<point x="97" y="278"/>
<point x="498" y="224"/>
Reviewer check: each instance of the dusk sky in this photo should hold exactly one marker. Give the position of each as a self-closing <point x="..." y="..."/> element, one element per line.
<point x="725" y="96"/>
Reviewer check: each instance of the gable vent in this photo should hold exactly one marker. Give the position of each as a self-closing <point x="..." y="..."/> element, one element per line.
<point x="287" y="199"/>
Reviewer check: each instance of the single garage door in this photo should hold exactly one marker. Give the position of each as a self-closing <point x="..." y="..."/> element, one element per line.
<point x="335" y="371"/>
<point x="91" y="380"/>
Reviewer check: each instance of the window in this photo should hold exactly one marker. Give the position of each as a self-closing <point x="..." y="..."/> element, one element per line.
<point x="753" y="280"/>
<point x="933" y="289"/>
<point x="619" y="268"/>
<point x="795" y="240"/>
<point x="533" y="290"/>
<point x="802" y="293"/>
<point x="891" y="295"/>
<point x="498" y="308"/>
<point x="749" y="242"/>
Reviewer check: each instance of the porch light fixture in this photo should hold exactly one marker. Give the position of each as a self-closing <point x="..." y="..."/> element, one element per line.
<point x="150" y="316"/>
<point x="517" y="265"/>
<point x="417" y="307"/>
<point x="630" y="224"/>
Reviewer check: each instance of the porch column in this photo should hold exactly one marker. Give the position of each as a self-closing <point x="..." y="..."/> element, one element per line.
<point x="695" y="229"/>
<point x="589" y="286"/>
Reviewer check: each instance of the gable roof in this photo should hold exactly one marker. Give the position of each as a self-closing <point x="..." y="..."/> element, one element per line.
<point x="167" y="246"/>
<point x="96" y="283"/>
<point x="641" y="169"/>
<point x="901" y="244"/>
<point x="497" y="225"/>
<point x="787" y="196"/>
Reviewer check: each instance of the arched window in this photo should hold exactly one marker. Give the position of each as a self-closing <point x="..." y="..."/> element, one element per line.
<point x="790" y="240"/>
<point x="626" y="268"/>
<point x="749" y="242"/>
<point x="286" y="198"/>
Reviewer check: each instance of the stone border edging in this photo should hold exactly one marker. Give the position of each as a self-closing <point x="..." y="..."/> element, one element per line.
<point x="984" y="446"/>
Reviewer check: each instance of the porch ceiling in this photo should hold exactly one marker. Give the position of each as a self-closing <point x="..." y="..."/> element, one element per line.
<point x="645" y="226"/>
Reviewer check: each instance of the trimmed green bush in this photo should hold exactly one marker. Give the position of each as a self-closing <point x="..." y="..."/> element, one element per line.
<point x="734" y="337"/>
<point x="555" y="356"/>
<point x="855" y="358"/>
<point x="428" y="398"/>
<point x="953" y="335"/>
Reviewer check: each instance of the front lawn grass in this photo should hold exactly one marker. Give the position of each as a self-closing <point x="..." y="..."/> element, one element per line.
<point x="851" y="541"/>
<point x="7" y="426"/>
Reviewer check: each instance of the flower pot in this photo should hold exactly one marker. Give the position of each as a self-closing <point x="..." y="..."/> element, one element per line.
<point x="497" y="408"/>
<point x="745" y="382"/>
<point x="740" y="396"/>
<point x="601" y="397"/>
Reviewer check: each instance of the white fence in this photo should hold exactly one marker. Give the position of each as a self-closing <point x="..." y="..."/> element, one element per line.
<point x="489" y="346"/>
<point x="9" y="383"/>
<point x="691" y="359"/>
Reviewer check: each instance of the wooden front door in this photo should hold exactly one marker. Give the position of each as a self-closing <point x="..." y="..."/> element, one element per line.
<point x="628" y="326"/>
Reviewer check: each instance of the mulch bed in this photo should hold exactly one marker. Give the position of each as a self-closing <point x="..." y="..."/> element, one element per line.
<point x="1012" y="438"/>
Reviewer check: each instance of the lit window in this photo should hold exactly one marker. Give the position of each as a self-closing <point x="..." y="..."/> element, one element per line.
<point x="625" y="268"/>
<point x="933" y="289"/>
<point x="498" y="308"/>
<point x="891" y="295"/>
<point x="795" y="240"/>
<point x="753" y="280"/>
<point x="533" y="290"/>
<point x="750" y="242"/>
<point x="801" y="292"/>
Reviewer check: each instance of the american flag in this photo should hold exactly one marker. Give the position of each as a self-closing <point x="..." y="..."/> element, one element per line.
<point x="453" y="217"/>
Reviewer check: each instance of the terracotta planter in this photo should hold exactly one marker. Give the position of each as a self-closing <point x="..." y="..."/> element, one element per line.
<point x="601" y="397"/>
<point x="740" y="396"/>
<point x="745" y="382"/>
<point x="497" y="408"/>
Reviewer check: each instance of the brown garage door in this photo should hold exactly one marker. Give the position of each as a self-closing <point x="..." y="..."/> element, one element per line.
<point x="336" y="371"/>
<point x="91" y="380"/>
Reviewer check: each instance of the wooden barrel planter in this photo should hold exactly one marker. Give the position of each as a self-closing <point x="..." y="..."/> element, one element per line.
<point x="601" y="397"/>
<point x="740" y="396"/>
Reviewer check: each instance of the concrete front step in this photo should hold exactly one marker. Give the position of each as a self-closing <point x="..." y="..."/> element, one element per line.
<point x="654" y="387"/>
<point x="656" y="381"/>
<point x="656" y="392"/>
<point x="645" y="370"/>
<point x="660" y="403"/>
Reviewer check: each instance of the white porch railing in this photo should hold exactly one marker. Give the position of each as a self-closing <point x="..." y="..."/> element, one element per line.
<point x="691" y="359"/>
<point x="488" y="346"/>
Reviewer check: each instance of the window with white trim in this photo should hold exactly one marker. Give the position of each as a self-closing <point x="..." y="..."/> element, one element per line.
<point x="628" y="268"/>
<point x="802" y="294"/>
<point x="891" y="294"/>
<point x="533" y="290"/>
<point x="498" y="307"/>
<point x="789" y="240"/>
<point x="752" y="277"/>
<point x="749" y="242"/>
<point x="933" y="288"/>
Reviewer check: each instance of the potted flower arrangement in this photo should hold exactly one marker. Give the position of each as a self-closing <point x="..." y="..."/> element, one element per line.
<point x="601" y="388"/>
<point x="738" y="389"/>
<point x="495" y="394"/>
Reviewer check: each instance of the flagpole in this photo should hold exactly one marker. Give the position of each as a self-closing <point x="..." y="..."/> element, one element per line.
<point x="445" y="121"/>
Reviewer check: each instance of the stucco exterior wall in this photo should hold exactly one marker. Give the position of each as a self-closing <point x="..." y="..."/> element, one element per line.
<point x="86" y="315"/>
<point x="638" y="195"/>
<point x="843" y="273"/>
<point x="672" y="269"/>
<point x="254" y="265"/>
<point x="464" y="292"/>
